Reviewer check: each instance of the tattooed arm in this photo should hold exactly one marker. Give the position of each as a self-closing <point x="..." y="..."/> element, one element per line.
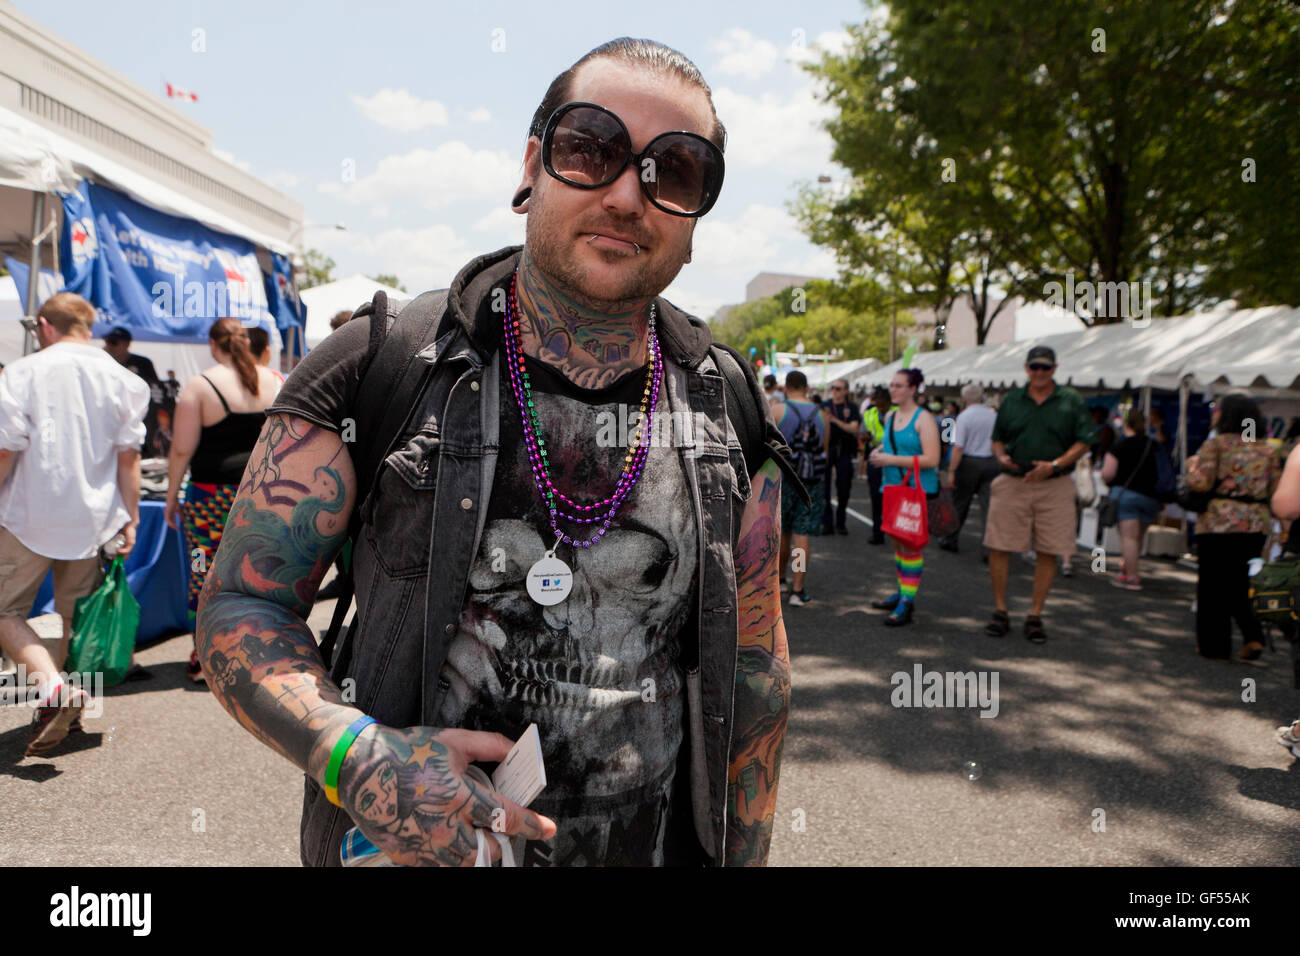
<point x="405" y="787"/>
<point x="762" y="703"/>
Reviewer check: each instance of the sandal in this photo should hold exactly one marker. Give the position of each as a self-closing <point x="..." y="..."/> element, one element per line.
<point x="999" y="626"/>
<point x="1034" y="629"/>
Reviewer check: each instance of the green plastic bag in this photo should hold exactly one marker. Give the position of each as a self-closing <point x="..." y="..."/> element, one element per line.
<point x="104" y="624"/>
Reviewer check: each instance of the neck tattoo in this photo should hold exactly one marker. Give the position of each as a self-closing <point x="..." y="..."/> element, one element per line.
<point x="590" y="348"/>
<point x="550" y="579"/>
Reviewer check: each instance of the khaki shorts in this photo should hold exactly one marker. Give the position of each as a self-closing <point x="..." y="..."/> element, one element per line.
<point x="1036" y="515"/>
<point x="22" y="572"/>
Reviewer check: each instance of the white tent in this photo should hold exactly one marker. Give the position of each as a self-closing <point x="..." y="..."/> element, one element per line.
<point x="324" y="301"/>
<point x="35" y="158"/>
<point x="1222" y="348"/>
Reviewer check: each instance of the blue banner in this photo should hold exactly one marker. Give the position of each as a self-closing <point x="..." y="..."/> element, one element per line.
<point x="48" y="284"/>
<point x="285" y="305"/>
<point x="163" y="277"/>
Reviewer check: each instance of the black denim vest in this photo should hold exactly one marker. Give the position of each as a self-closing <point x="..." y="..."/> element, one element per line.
<point x="423" y="523"/>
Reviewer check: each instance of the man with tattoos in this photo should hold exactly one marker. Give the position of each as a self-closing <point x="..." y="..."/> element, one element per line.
<point x="514" y="566"/>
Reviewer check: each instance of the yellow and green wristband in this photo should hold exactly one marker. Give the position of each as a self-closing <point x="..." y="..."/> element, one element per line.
<point x="340" y="751"/>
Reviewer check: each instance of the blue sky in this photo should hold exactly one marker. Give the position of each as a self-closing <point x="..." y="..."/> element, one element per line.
<point x="415" y="100"/>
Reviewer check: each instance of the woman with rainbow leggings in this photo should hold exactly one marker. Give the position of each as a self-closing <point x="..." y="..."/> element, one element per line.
<point x="909" y="432"/>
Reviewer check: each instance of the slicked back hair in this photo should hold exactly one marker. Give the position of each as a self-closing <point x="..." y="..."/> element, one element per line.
<point x="650" y="55"/>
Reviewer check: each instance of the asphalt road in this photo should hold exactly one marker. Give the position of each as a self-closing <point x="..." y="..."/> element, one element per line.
<point x="1114" y="720"/>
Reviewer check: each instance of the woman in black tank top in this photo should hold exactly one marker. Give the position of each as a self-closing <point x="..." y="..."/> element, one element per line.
<point x="216" y="460"/>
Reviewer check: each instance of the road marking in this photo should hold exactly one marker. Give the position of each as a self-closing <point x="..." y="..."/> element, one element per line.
<point x="863" y="518"/>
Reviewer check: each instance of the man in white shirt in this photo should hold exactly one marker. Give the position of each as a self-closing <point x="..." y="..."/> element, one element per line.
<point x="972" y="466"/>
<point x="71" y="425"/>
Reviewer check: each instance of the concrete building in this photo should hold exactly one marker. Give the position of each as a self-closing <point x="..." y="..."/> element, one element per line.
<point x="46" y="81"/>
<point x="960" y="331"/>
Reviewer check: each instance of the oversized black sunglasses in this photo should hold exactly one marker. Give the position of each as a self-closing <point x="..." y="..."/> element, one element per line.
<point x="587" y="146"/>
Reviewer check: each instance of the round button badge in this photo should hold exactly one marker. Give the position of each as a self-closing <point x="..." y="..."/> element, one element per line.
<point x="549" y="580"/>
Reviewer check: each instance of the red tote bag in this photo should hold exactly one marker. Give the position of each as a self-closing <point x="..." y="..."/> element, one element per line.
<point x="905" y="510"/>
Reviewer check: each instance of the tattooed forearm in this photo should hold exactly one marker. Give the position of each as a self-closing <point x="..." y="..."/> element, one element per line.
<point x="762" y="701"/>
<point x="590" y="347"/>
<point x="287" y="523"/>
<point x="264" y="669"/>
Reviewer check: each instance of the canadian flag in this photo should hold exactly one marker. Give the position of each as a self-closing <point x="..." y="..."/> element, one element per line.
<point x="179" y="93"/>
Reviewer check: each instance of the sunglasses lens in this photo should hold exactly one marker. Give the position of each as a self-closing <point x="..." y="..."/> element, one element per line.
<point x="588" y="147"/>
<point x="682" y="174"/>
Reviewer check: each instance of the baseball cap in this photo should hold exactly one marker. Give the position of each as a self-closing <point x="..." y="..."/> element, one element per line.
<point x="1041" y="352"/>
<point x="118" y="334"/>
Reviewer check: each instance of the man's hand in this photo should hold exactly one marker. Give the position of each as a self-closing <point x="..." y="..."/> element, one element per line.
<point x="1041" y="471"/>
<point x="949" y="480"/>
<point x="408" y="792"/>
<point x="128" y="533"/>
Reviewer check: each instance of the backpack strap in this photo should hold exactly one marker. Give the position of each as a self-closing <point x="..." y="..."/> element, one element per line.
<point x="389" y="381"/>
<point x="760" y="439"/>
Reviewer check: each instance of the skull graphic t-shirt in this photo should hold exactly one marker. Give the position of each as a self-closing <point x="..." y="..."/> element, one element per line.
<point x="598" y="672"/>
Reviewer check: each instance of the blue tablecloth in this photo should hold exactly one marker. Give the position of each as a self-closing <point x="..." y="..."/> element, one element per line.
<point x="157" y="573"/>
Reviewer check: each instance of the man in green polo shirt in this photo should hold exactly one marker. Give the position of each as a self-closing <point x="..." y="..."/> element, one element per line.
<point x="1040" y="432"/>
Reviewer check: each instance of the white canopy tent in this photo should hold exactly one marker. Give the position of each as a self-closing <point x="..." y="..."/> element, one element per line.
<point x="324" y="301"/>
<point x="1218" y="349"/>
<point x="1211" y="351"/>
<point x="36" y="164"/>
<point x="39" y="160"/>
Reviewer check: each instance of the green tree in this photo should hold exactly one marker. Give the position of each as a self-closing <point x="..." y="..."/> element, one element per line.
<point x="1008" y="142"/>
<point x="390" y="281"/>
<point x="318" y="269"/>
<point x="818" y="315"/>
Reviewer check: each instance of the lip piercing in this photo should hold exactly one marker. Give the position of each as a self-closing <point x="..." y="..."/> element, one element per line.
<point x="596" y="235"/>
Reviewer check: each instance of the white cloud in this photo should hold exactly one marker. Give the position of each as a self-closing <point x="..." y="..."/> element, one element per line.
<point x="743" y="54"/>
<point x="480" y="115"/>
<point x="401" y="110"/>
<point x="422" y="259"/>
<point x="432" y="178"/>
<point x="828" y="41"/>
<point x="738" y="248"/>
<point x="692" y="302"/>
<point x="730" y="252"/>
<point x="504" y="224"/>
<point x="229" y="157"/>
<point x="782" y="132"/>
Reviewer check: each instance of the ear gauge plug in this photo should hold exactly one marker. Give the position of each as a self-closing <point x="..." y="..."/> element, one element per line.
<point x="521" y="197"/>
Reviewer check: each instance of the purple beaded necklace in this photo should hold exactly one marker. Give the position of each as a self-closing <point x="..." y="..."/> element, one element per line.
<point x="602" y="512"/>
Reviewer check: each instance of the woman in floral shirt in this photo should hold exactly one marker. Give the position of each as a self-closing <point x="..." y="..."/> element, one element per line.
<point x="1242" y="471"/>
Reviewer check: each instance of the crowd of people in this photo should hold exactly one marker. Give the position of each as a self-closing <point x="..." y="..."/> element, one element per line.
<point x="1030" y="463"/>
<point x="478" y="493"/>
<point x="1016" y="461"/>
<point x="75" y="421"/>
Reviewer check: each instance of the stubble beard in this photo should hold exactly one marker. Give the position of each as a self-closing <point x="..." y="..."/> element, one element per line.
<point x="550" y="244"/>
